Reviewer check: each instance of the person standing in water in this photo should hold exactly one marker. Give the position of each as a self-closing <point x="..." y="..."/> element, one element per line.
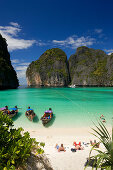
<point x="102" y="118"/>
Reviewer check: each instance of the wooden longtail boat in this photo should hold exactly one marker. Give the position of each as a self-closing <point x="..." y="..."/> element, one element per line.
<point x="30" y="114"/>
<point x="47" y="117"/>
<point x="10" y="113"/>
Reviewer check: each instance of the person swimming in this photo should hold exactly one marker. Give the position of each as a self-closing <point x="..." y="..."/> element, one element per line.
<point x="102" y="118"/>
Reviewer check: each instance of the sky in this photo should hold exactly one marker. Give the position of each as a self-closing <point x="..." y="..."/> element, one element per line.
<point x="33" y="26"/>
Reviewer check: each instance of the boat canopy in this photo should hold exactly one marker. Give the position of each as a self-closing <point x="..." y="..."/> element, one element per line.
<point x="13" y="108"/>
<point x="3" y="108"/>
<point x="48" y="111"/>
<point x="29" y="109"/>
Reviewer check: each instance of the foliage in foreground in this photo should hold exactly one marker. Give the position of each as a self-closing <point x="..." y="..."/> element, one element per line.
<point x="103" y="160"/>
<point x="15" y="146"/>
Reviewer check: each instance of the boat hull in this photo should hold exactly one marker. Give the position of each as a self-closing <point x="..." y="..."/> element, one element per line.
<point x="29" y="116"/>
<point x="11" y="115"/>
<point x="46" y="120"/>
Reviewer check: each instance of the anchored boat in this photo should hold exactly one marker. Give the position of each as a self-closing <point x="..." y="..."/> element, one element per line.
<point x="47" y="117"/>
<point x="30" y="114"/>
<point x="9" y="112"/>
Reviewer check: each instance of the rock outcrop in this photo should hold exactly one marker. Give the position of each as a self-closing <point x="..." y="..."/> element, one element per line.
<point x="8" y="77"/>
<point x="51" y="69"/>
<point x="89" y="67"/>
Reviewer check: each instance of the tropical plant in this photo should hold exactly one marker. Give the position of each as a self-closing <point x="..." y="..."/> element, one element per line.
<point x="104" y="159"/>
<point x="15" y="145"/>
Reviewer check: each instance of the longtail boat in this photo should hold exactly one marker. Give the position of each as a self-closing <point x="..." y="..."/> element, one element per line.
<point x="10" y="112"/>
<point x="47" y="117"/>
<point x="30" y="114"/>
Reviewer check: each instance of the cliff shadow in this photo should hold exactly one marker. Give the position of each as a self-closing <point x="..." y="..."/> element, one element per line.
<point x="17" y="116"/>
<point x="51" y="122"/>
<point x="36" y="119"/>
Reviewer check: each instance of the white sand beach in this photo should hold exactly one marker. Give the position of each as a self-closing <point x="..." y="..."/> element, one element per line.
<point x="65" y="160"/>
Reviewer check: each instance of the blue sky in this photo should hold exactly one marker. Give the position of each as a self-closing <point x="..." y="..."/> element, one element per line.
<point x="33" y="26"/>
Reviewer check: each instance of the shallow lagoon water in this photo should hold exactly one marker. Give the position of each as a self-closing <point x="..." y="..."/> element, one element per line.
<point x="72" y="107"/>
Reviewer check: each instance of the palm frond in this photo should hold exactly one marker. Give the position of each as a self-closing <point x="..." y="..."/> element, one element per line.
<point x="102" y="159"/>
<point x="104" y="129"/>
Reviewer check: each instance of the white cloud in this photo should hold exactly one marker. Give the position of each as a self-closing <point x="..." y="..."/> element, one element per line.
<point x="21" y="74"/>
<point x="10" y="33"/>
<point x="98" y="31"/>
<point x="21" y="71"/>
<point x="24" y="64"/>
<point x="15" y="61"/>
<point x="21" y="68"/>
<point x="75" y="41"/>
<point x="14" y="24"/>
<point x="109" y="52"/>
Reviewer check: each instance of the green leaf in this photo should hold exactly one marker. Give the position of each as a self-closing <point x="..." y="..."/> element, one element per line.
<point x="15" y="146"/>
<point x="104" y="159"/>
<point x="13" y="162"/>
<point x="5" y="168"/>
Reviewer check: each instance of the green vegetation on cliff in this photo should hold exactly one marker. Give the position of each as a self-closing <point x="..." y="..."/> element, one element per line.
<point x="87" y="67"/>
<point x="90" y="67"/>
<point x="52" y="66"/>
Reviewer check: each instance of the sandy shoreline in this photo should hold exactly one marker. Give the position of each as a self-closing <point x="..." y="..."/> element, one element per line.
<point x="65" y="160"/>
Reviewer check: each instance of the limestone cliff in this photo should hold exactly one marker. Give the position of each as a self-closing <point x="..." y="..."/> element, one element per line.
<point x="8" y="77"/>
<point x="51" y="69"/>
<point x="89" y="67"/>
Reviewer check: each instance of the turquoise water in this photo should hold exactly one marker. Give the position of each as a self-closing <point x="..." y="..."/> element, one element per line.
<point x="72" y="107"/>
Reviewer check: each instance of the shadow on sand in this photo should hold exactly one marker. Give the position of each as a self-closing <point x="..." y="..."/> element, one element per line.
<point x="36" y="119"/>
<point x="51" y="122"/>
<point x="38" y="162"/>
<point x="17" y="116"/>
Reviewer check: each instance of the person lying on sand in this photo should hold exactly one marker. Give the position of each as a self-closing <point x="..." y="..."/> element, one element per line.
<point x="78" y="146"/>
<point x="94" y="144"/>
<point x="57" y="146"/>
<point x="61" y="148"/>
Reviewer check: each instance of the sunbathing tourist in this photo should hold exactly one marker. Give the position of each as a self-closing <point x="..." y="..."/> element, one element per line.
<point x="57" y="146"/>
<point x="78" y="146"/>
<point x="96" y="144"/>
<point x="60" y="148"/>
